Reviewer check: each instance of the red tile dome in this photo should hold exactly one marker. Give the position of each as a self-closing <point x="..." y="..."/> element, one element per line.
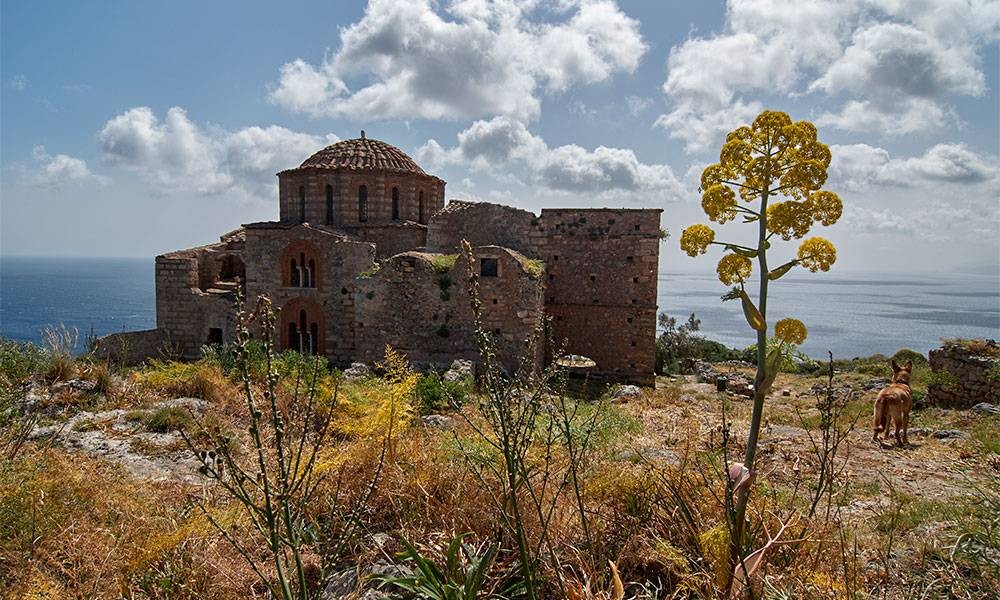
<point x="363" y="154"/>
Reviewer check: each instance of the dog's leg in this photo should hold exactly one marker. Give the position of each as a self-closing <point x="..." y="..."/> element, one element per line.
<point x="906" y="427"/>
<point x="878" y="418"/>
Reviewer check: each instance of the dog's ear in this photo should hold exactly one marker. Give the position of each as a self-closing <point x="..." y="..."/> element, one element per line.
<point x="908" y="365"/>
<point x="895" y="366"/>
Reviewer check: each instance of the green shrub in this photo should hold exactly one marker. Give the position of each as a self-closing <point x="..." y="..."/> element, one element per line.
<point x="434" y="394"/>
<point x="21" y="360"/>
<point x="443" y="263"/>
<point x="679" y="343"/>
<point x="167" y="419"/>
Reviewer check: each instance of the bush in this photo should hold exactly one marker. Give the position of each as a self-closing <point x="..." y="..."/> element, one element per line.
<point x="201" y="380"/>
<point x="434" y="394"/>
<point x="19" y="361"/>
<point x="167" y="419"/>
<point x="677" y="344"/>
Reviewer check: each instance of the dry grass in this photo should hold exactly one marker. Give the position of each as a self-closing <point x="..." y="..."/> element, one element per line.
<point x="903" y="522"/>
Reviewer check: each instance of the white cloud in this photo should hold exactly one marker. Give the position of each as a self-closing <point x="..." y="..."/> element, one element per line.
<point x="860" y="166"/>
<point x="175" y="154"/>
<point x="894" y="64"/>
<point x="60" y="170"/>
<point x="505" y="142"/>
<point x="477" y="58"/>
<point x="19" y="83"/>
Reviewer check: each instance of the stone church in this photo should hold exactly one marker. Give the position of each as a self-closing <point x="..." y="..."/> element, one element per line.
<point x="365" y="253"/>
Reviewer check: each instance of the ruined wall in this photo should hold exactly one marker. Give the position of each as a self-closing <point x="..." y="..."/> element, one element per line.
<point x="601" y="286"/>
<point x="972" y="376"/>
<point x="131" y="348"/>
<point x="339" y="261"/>
<point x="424" y="312"/>
<point x="186" y="313"/>
<point x="482" y="223"/>
<point x="344" y="187"/>
<point x="393" y="238"/>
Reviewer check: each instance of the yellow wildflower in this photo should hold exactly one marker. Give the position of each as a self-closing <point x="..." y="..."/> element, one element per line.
<point x="817" y="254"/>
<point x="826" y="207"/>
<point x="714" y="175"/>
<point x="803" y="177"/>
<point x="696" y="238"/>
<point x="719" y="203"/>
<point x="789" y="219"/>
<point x="734" y="268"/>
<point x="790" y="330"/>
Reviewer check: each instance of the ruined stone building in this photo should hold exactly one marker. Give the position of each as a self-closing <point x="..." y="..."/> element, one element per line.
<point x="365" y="254"/>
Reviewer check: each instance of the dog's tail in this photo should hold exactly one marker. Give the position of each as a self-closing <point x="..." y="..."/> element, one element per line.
<point x="879" y="418"/>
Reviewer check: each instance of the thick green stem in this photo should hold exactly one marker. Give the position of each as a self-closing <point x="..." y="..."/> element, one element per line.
<point x="739" y="512"/>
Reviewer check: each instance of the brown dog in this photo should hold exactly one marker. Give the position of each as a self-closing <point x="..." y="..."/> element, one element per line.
<point x="895" y="401"/>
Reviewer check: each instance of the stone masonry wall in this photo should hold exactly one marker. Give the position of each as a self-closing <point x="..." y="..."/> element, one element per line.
<point x="345" y="187"/>
<point x="131" y="348"/>
<point x="973" y="374"/>
<point x="340" y="260"/>
<point x="185" y="312"/>
<point x="391" y="239"/>
<point x="601" y="286"/>
<point x="481" y="223"/>
<point x="425" y="314"/>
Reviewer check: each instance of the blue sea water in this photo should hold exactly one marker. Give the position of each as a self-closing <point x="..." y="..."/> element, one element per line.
<point x="851" y="314"/>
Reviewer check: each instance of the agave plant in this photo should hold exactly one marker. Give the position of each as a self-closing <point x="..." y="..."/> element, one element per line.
<point x="462" y="578"/>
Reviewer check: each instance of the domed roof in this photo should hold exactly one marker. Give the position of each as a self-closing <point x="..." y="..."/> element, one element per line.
<point x="363" y="154"/>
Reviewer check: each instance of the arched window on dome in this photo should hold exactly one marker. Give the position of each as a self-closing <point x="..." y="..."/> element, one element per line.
<point x="395" y="204"/>
<point x="420" y="207"/>
<point x="329" y="205"/>
<point x="302" y="204"/>
<point x="363" y="204"/>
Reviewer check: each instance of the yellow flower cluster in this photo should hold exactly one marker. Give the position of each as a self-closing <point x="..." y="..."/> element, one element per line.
<point x="696" y="238"/>
<point x="826" y="207"/>
<point x="791" y="331"/>
<point x="734" y="268"/>
<point x="792" y="219"/>
<point x="789" y="219"/>
<point x="817" y="254"/>
<point x="719" y="203"/>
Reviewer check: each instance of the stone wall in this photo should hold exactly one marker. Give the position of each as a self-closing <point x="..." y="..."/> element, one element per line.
<point x="131" y="348"/>
<point x="424" y="311"/>
<point x="344" y="188"/>
<point x="339" y="261"/>
<point x="482" y="224"/>
<point x="601" y="286"/>
<point x="392" y="239"/>
<point x="972" y="376"/>
<point x="195" y="295"/>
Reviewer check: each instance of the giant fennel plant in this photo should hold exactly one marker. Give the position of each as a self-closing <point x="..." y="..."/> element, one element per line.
<point x="769" y="174"/>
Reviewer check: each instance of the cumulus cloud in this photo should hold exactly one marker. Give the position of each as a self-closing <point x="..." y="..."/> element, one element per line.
<point x="503" y="142"/>
<point x="61" y="170"/>
<point x="894" y="64"/>
<point x="860" y="166"/>
<point x="475" y="58"/>
<point x="949" y="191"/>
<point x="176" y="154"/>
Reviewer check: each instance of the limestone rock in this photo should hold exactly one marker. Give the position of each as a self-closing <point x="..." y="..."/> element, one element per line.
<point x="357" y="371"/>
<point x="986" y="408"/>
<point x="438" y="421"/>
<point x="460" y="370"/>
<point x="626" y="393"/>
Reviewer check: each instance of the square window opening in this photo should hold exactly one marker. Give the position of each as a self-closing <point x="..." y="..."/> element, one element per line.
<point x="488" y="267"/>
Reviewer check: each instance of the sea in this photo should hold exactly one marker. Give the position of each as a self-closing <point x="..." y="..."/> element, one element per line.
<point x="849" y="314"/>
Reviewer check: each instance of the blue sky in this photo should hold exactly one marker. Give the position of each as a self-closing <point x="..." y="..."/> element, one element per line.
<point x="130" y="129"/>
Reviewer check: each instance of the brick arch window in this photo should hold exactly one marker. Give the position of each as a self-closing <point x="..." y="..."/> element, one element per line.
<point x="300" y="265"/>
<point x="329" y="204"/>
<point x="302" y="204"/>
<point x="420" y="207"/>
<point x="395" y="204"/>
<point x="302" y="327"/>
<point x="363" y="203"/>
